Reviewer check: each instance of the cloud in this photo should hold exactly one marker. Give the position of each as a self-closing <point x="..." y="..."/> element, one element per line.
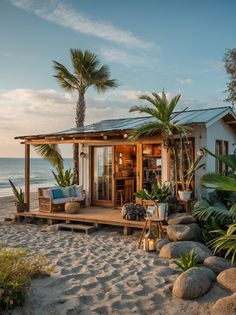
<point x="58" y="13"/>
<point x="184" y="81"/>
<point x="123" y="57"/>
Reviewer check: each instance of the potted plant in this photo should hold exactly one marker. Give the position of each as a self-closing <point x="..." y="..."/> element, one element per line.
<point x="158" y="195"/>
<point x="187" y="177"/>
<point x="19" y="195"/>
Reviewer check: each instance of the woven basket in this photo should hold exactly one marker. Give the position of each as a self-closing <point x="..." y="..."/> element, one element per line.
<point x="72" y="207"/>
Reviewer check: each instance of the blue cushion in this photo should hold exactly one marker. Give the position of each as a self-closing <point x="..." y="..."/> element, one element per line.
<point x="57" y="193"/>
<point x="72" y="191"/>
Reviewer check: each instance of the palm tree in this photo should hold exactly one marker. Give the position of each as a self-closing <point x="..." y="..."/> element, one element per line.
<point x="164" y="121"/>
<point x="87" y="72"/>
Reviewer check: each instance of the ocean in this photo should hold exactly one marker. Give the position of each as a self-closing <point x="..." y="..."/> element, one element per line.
<point x="40" y="174"/>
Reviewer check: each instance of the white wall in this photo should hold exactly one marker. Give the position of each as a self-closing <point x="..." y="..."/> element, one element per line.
<point x="199" y="134"/>
<point x="218" y="131"/>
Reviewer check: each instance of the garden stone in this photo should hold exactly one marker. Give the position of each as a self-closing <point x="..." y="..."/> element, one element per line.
<point x="184" y="232"/>
<point x="217" y="264"/>
<point x="226" y="305"/>
<point x="176" y="249"/>
<point x="193" y="283"/>
<point x="180" y="218"/>
<point x="227" y="279"/>
<point x="161" y="243"/>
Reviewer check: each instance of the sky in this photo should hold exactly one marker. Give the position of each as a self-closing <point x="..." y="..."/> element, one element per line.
<point x="175" y="45"/>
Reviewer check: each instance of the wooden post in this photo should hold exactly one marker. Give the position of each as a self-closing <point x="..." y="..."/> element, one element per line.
<point x="27" y="176"/>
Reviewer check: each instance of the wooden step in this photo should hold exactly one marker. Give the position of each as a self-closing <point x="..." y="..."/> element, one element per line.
<point x="88" y="229"/>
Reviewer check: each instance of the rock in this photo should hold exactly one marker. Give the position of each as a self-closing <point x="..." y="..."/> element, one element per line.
<point x="227" y="279"/>
<point x="176" y="249"/>
<point x="183" y="232"/>
<point x="161" y="243"/>
<point x="180" y="218"/>
<point x="193" y="283"/>
<point x="217" y="264"/>
<point x="226" y="305"/>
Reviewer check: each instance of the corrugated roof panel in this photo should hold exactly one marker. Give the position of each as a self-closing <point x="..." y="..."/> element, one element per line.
<point x="189" y="117"/>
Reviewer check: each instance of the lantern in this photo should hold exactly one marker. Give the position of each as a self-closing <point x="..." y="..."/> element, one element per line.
<point x="150" y="241"/>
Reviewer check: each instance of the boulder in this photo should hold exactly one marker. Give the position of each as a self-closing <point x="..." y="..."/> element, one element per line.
<point x="226" y="305"/>
<point x="180" y="218"/>
<point x="217" y="264"/>
<point x="184" y="232"/>
<point x="161" y="243"/>
<point x="176" y="249"/>
<point x="193" y="283"/>
<point x="227" y="279"/>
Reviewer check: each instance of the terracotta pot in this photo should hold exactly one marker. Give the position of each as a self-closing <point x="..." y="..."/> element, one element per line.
<point x="185" y="194"/>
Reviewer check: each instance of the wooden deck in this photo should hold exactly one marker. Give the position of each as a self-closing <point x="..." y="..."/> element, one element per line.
<point x="95" y="215"/>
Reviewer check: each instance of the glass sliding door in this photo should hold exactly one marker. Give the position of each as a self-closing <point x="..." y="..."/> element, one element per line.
<point x="102" y="174"/>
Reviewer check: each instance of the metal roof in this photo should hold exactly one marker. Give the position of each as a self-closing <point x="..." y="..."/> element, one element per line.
<point x="189" y="117"/>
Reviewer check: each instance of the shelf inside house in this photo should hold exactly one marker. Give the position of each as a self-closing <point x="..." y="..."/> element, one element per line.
<point x="152" y="161"/>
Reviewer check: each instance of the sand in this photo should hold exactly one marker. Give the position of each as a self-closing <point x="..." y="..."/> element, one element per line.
<point x="100" y="273"/>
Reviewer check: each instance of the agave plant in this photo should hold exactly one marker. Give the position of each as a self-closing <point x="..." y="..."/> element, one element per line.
<point x="63" y="177"/>
<point x="225" y="242"/>
<point x="188" y="261"/>
<point x="19" y="194"/>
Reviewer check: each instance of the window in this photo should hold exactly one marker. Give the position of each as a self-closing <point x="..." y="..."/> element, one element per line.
<point x="222" y="147"/>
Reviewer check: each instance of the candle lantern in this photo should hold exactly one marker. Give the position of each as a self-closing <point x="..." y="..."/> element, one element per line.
<point x="150" y="241"/>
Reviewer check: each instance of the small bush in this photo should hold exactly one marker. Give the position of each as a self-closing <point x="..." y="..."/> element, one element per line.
<point x="187" y="261"/>
<point x="225" y="242"/>
<point x="17" y="268"/>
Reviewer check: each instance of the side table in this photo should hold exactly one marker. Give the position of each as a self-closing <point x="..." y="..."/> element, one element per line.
<point x="157" y="226"/>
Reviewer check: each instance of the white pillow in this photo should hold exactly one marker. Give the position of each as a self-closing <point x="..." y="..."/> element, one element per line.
<point x="79" y="191"/>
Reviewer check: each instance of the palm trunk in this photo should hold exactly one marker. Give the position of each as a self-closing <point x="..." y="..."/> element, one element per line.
<point x="79" y="120"/>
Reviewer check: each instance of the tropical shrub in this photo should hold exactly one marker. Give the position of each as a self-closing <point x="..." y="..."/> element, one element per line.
<point x="19" y="194"/>
<point x="63" y="177"/>
<point x="218" y="205"/>
<point x="225" y="242"/>
<point x="188" y="261"/>
<point x="17" y="268"/>
<point x="217" y="212"/>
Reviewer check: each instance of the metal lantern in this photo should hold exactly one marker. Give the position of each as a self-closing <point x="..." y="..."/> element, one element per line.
<point x="150" y="241"/>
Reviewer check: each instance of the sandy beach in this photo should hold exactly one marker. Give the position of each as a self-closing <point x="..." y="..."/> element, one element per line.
<point x="101" y="273"/>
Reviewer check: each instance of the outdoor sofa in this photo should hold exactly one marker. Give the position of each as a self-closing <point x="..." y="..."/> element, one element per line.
<point x="53" y="199"/>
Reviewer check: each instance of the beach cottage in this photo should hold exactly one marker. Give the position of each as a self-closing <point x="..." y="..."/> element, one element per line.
<point x="112" y="167"/>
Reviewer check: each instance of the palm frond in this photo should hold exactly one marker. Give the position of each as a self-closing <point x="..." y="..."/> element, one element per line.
<point x="229" y="160"/>
<point x="225" y="242"/>
<point x="205" y="210"/>
<point x="219" y="181"/>
<point x="49" y="152"/>
<point x="147" y="129"/>
<point x="66" y="79"/>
